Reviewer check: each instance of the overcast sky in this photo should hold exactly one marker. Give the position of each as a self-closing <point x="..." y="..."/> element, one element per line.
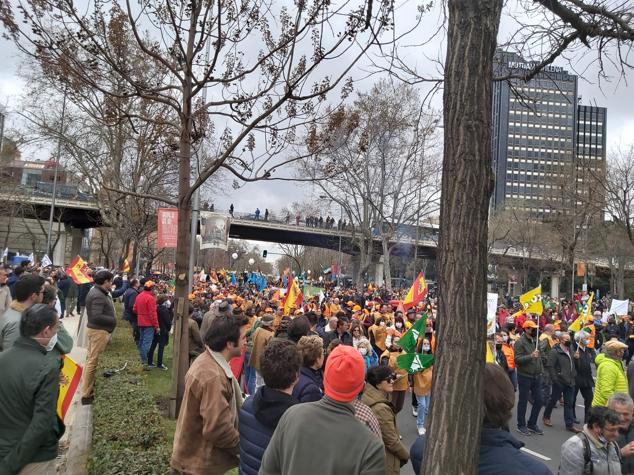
<point x="617" y="96"/>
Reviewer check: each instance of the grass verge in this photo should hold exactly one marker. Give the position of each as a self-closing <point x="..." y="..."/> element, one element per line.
<point x="130" y="435"/>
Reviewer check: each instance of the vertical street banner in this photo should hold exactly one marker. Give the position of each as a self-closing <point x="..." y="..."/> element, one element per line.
<point x="167" y="227"/>
<point x="214" y="230"/>
<point x="492" y="306"/>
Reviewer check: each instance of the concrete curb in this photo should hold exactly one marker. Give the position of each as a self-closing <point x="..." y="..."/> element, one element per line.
<point x="80" y="440"/>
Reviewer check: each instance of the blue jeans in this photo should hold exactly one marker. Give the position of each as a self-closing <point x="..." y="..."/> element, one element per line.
<point x="569" y="402"/>
<point x="513" y="376"/>
<point x="423" y="408"/>
<point x="532" y="385"/>
<point x="146" y="335"/>
<point x="249" y="375"/>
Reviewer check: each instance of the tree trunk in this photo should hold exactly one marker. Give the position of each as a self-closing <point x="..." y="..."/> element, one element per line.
<point x="181" y="316"/>
<point x="387" y="272"/>
<point x="467" y="182"/>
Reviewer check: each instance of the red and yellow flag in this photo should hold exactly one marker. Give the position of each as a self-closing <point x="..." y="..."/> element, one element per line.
<point x="126" y="266"/>
<point x="294" y="296"/>
<point x="77" y="271"/>
<point x="416" y="293"/>
<point x="69" y="381"/>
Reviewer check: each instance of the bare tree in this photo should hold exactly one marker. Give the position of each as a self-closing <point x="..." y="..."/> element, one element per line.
<point x="264" y="71"/>
<point x="376" y="159"/>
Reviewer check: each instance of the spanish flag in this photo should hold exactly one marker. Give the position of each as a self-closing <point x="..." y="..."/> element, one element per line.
<point x="77" y="271"/>
<point x="69" y="381"/>
<point x="585" y="316"/>
<point x="294" y="296"/>
<point x="416" y="293"/>
<point x="126" y="266"/>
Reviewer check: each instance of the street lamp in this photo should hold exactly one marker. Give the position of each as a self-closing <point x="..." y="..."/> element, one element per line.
<point x="251" y="261"/>
<point x="324" y="197"/>
<point x="234" y="256"/>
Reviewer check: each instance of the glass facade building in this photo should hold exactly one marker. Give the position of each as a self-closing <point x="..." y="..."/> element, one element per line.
<point x="540" y="135"/>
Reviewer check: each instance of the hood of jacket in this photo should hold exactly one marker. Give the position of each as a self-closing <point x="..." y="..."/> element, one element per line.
<point x="602" y="358"/>
<point x="270" y="405"/>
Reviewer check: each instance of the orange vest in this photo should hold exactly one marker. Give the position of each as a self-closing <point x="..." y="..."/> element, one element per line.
<point x="510" y="355"/>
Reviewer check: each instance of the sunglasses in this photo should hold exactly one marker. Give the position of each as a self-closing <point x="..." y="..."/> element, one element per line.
<point x="391" y="378"/>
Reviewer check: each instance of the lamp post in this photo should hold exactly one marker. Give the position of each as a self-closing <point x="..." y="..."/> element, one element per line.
<point x="59" y="151"/>
<point x="233" y="256"/>
<point x="324" y="197"/>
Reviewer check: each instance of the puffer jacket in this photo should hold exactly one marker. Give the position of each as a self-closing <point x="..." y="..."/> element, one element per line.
<point x="259" y="416"/>
<point x="309" y="388"/>
<point x="145" y="309"/>
<point x="610" y="379"/>
<point x="395" y="451"/>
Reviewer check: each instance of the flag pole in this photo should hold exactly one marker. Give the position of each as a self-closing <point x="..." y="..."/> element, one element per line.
<point x="537" y="335"/>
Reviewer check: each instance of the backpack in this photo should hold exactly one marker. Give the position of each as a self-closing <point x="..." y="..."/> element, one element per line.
<point x="588" y="466"/>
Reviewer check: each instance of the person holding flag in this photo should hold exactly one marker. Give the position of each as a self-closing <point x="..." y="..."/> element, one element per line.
<point x="529" y="378"/>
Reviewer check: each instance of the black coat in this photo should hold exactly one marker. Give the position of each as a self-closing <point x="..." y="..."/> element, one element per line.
<point x="583" y="367"/>
<point x="259" y="416"/>
<point x="499" y="454"/>
<point x="346" y="338"/>
<point x="561" y="366"/>
<point x="164" y="318"/>
<point x="309" y="388"/>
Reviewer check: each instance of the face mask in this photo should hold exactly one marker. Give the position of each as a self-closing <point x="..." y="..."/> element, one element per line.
<point x="566" y="343"/>
<point x="426" y="347"/>
<point x="529" y="332"/>
<point x="51" y="343"/>
<point x="168" y="304"/>
<point x="382" y="324"/>
<point x="399" y="325"/>
<point x="363" y="351"/>
<point x="585" y="342"/>
<point x="505" y="339"/>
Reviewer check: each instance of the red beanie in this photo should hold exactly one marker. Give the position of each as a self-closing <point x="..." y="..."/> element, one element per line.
<point x="345" y="374"/>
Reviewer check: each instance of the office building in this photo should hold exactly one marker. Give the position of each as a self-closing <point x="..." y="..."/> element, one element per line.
<point x="541" y="136"/>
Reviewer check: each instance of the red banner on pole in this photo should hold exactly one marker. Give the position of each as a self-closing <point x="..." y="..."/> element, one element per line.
<point x="167" y="227"/>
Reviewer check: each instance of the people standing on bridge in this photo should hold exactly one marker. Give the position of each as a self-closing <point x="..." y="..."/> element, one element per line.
<point x="266" y="214"/>
<point x="231" y="209"/>
<point x="257" y="213"/>
<point x="321" y="222"/>
<point x="298" y="216"/>
<point x="529" y="379"/>
<point x="287" y="220"/>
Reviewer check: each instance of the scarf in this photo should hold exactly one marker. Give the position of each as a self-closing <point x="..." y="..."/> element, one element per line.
<point x="236" y="394"/>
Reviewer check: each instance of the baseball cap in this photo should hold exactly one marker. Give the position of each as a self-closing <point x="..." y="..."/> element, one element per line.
<point x="344" y="378"/>
<point x="529" y="324"/>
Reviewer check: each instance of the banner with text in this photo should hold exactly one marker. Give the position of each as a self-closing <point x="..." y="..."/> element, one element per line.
<point x="167" y="227"/>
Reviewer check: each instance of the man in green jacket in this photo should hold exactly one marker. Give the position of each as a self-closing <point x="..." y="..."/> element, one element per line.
<point x="611" y="376"/>
<point x="529" y="379"/>
<point x="306" y="432"/>
<point x="29" y="428"/>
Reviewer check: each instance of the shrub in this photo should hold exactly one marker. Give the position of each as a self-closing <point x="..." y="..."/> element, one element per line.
<point x="128" y="432"/>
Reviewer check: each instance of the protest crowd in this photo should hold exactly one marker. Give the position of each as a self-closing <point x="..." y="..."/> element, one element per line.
<point x="273" y="363"/>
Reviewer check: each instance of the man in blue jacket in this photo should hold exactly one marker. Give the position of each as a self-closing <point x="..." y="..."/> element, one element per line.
<point x="260" y="414"/>
<point x="499" y="450"/>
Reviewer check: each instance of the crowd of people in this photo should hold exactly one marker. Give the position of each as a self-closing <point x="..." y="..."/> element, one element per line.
<point x="266" y="376"/>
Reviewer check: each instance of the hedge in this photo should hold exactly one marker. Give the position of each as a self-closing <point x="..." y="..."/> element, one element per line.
<point x="128" y="434"/>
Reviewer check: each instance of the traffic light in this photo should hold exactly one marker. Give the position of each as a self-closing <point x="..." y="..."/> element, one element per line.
<point x="264" y="253"/>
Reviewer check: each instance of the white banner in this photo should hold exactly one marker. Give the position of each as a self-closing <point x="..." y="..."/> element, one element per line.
<point x="214" y="230"/>
<point x="492" y="306"/>
<point x="619" y="307"/>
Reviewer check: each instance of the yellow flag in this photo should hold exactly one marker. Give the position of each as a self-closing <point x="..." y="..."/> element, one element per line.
<point x="489" y="354"/>
<point x="584" y="317"/>
<point x="532" y="301"/>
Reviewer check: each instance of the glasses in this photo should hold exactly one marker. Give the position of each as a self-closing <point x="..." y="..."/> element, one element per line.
<point x="391" y="378"/>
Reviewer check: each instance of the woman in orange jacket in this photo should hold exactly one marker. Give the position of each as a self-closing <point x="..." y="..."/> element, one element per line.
<point x="509" y="353"/>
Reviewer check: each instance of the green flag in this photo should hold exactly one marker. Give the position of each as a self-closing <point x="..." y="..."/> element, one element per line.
<point x="414" y="362"/>
<point x="408" y="341"/>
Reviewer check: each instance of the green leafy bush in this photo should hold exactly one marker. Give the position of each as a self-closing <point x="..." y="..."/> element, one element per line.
<point x="128" y="431"/>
